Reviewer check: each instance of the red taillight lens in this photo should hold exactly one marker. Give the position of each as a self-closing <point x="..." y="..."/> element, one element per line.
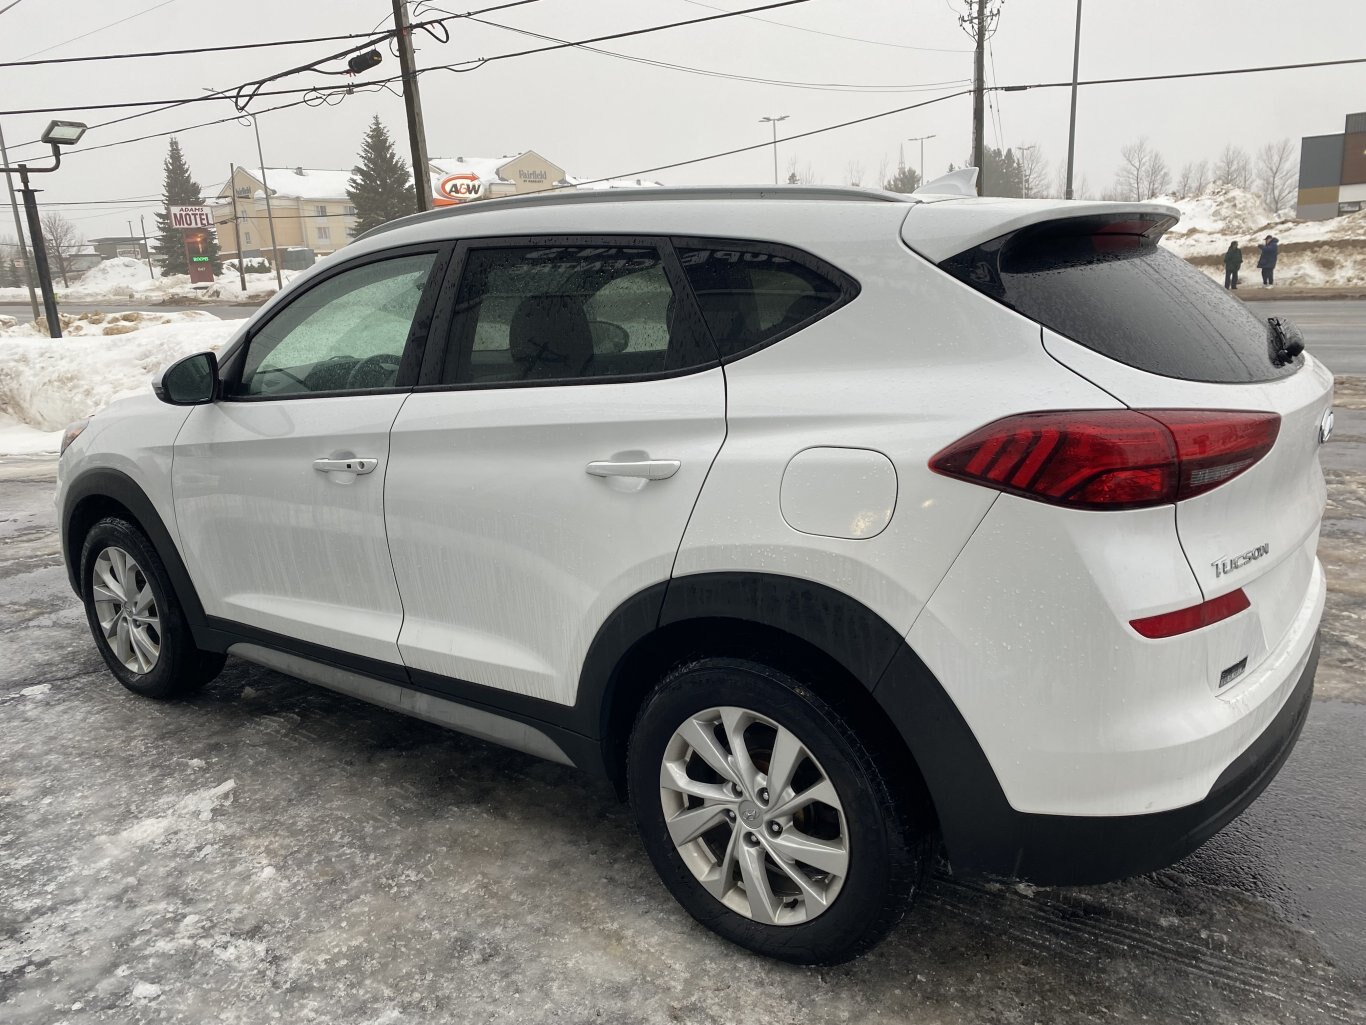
<point x="1169" y="624"/>
<point x="1111" y="458"/>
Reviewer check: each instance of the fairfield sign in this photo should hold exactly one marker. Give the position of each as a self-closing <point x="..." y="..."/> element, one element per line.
<point x="191" y="217"/>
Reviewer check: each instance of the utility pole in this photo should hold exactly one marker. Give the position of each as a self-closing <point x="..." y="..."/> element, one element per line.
<point x="237" y="227"/>
<point x="417" y="137"/>
<point x="146" y="250"/>
<point x="978" y="95"/>
<point x="1072" y="120"/>
<point x="19" y="229"/>
<point x="921" y="139"/>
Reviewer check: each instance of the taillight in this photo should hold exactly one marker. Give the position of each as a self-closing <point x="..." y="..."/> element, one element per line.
<point x="1169" y="624"/>
<point x="1111" y="458"/>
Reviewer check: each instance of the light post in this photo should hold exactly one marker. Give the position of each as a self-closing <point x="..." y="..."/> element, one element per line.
<point x="265" y="186"/>
<point x="57" y="135"/>
<point x="1072" y="118"/>
<point x="774" y="122"/>
<point x="921" y="139"/>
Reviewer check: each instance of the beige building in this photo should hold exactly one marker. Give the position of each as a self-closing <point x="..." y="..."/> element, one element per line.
<point x="310" y="208"/>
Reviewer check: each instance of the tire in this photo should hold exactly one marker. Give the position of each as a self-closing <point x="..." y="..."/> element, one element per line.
<point x="134" y="616"/>
<point x="682" y="766"/>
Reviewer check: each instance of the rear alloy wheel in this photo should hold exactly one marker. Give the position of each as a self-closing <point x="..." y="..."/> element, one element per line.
<point x="134" y="616"/>
<point x="767" y="817"/>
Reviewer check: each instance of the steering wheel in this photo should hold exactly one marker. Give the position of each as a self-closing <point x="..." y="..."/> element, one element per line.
<point x="377" y="371"/>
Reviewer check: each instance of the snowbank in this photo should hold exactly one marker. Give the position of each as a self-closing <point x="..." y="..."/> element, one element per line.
<point x="1329" y="253"/>
<point x="46" y="383"/>
<point x="125" y="278"/>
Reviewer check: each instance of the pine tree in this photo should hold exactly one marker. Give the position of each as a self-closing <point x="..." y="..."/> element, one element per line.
<point x="179" y="190"/>
<point x="9" y="274"/>
<point x="380" y="187"/>
<point x="906" y="179"/>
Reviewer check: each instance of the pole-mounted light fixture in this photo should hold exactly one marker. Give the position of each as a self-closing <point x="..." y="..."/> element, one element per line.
<point x="56" y="135"/>
<point x="63" y="133"/>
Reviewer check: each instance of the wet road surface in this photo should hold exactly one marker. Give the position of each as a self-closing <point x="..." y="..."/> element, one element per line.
<point x="1334" y="329"/>
<point x="270" y="849"/>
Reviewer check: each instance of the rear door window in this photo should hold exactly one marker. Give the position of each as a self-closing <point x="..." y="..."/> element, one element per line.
<point x="1108" y="285"/>
<point x="753" y="293"/>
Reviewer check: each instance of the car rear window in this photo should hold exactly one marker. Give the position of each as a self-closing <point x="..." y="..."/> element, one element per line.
<point x="1107" y="284"/>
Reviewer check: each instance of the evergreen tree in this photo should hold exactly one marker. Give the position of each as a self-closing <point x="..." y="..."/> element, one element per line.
<point x="906" y="179"/>
<point x="179" y="190"/>
<point x="380" y="187"/>
<point x="9" y="274"/>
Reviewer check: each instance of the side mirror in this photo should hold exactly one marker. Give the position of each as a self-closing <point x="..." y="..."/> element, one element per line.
<point x="193" y="381"/>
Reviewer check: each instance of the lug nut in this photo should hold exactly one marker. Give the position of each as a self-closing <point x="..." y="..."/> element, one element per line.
<point x="735" y="790"/>
<point x="775" y="828"/>
<point x="751" y="840"/>
<point x="763" y="794"/>
<point x="730" y="816"/>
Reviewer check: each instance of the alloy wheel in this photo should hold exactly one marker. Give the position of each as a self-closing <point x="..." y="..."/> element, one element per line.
<point x="754" y="816"/>
<point x="126" y="610"/>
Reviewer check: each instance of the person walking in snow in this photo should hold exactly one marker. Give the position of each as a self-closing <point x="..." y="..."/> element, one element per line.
<point x="1267" y="261"/>
<point x="1233" y="259"/>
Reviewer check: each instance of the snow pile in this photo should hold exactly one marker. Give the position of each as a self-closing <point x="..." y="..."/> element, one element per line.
<point x="45" y="383"/>
<point x="1328" y="254"/>
<point x="126" y="278"/>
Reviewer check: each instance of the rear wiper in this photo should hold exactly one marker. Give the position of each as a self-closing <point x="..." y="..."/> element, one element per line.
<point x="1284" y="340"/>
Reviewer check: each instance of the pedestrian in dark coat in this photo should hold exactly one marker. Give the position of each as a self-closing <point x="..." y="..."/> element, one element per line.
<point x="1267" y="261"/>
<point x="1233" y="259"/>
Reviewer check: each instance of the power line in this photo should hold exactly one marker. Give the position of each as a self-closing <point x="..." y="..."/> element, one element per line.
<point x="784" y="83"/>
<point x="1184" y="74"/>
<point x="836" y="35"/>
<point x="8" y="7"/>
<point x="93" y="31"/>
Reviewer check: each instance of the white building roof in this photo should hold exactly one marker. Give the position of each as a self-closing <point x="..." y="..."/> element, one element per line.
<point x="304" y="182"/>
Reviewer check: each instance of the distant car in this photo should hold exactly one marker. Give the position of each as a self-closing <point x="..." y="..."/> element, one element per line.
<point x="822" y="523"/>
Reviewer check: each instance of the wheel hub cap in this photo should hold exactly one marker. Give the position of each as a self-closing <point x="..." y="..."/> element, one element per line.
<point x="126" y="610"/>
<point x="780" y="861"/>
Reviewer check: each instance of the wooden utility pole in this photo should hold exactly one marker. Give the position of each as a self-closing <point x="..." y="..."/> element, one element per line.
<point x="979" y="34"/>
<point x="237" y="228"/>
<point x="1072" y="118"/>
<point x="417" y="137"/>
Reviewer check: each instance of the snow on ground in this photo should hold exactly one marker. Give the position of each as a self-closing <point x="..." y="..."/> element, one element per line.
<point x="45" y="383"/>
<point x="1329" y="253"/>
<point x="125" y="278"/>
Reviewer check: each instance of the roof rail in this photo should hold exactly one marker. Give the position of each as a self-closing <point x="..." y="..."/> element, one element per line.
<point x="573" y="197"/>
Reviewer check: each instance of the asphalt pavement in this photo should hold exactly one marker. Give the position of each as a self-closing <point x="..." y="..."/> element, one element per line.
<point x="1334" y="329"/>
<point x="273" y="851"/>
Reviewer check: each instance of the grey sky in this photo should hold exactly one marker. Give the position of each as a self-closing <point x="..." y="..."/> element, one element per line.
<point x="597" y="116"/>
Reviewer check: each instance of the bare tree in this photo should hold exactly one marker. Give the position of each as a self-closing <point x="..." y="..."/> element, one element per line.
<point x="1033" y="171"/>
<point x="1142" y="172"/>
<point x="1200" y="178"/>
<point x="63" y="239"/>
<point x="799" y="176"/>
<point x="1277" y="171"/>
<point x="1233" y="168"/>
<point x="854" y="172"/>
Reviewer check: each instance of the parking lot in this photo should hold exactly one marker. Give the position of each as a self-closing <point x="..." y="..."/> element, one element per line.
<point x="272" y="851"/>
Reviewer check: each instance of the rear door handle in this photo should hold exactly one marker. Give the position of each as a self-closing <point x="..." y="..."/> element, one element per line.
<point x="646" y="469"/>
<point x="353" y="465"/>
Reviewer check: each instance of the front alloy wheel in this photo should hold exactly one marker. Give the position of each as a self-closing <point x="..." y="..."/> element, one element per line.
<point x="127" y="610"/>
<point x="754" y="816"/>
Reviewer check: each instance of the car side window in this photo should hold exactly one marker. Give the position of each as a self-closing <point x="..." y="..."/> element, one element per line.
<point x="347" y="333"/>
<point x="750" y="295"/>
<point x="562" y="313"/>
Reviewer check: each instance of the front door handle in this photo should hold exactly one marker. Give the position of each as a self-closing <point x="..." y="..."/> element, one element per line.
<point x="646" y="469"/>
<point x="352" y="465"/>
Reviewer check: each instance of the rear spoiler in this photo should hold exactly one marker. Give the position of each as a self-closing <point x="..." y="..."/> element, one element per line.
<point x="938" y="231"/>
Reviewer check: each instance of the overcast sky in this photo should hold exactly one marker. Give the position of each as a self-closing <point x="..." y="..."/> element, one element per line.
<point x="597" y="115"/>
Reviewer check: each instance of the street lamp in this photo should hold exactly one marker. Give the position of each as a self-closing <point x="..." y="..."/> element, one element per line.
<point x="265" y="185"/>
<point x="921" y="139"/>
<point x="57" y="135"/>
<point x="1072" y="118"/>
<point x="774" y="122"/>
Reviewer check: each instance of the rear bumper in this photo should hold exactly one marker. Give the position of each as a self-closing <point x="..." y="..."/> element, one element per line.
<point x="1064" y="850"/>
<point x="984" y="834"/>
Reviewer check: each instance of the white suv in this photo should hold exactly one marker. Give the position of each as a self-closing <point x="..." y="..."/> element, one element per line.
<point x="823" y="523"/>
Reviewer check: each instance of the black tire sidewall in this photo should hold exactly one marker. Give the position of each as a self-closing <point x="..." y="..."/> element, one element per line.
<point x="883" y="866"/>
<point x="177" y="669"/>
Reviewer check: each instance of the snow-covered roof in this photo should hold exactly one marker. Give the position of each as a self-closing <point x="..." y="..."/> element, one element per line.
<point x="486" y="168"/>
<point x="303" y="182"/>
<point x="613" y="183"/>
